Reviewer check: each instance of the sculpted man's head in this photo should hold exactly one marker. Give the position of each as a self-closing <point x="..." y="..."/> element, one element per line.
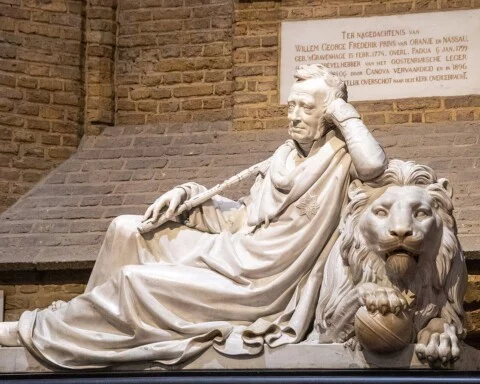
<point x="314" y="89"/>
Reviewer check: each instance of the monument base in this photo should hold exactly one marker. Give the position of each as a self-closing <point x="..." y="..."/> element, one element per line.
<point x="288" y="357"/>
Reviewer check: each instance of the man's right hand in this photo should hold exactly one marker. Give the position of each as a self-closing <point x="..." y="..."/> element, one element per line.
<point x="171" y="199"/>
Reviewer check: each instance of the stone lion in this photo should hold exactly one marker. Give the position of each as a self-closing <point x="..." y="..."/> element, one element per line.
<point x="398" y="235"/>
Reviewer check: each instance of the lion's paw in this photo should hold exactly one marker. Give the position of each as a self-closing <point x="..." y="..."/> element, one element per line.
<point x="384" y="300"/>
<point x="438" y="347"/>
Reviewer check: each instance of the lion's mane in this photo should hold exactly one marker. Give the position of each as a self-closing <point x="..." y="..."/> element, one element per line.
<point x="439" y="284"/>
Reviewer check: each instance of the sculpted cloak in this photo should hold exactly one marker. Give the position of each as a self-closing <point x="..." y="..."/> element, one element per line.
<point x="234" y="276"/>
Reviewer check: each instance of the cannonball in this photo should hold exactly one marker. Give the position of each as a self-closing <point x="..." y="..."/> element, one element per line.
<point x="383" y="333"/>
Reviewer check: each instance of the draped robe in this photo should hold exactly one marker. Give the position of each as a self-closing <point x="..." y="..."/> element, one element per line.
<point x="233" y="276"/>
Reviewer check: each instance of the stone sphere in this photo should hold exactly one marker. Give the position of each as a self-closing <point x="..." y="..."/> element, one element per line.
<point x="383" y="333"/>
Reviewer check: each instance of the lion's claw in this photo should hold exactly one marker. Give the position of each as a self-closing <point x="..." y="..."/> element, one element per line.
<point x="384" y="300"/>
<point x="438" y="347"/>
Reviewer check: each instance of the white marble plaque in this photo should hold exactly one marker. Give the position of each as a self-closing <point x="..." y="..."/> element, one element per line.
<point x="389" y="57"/>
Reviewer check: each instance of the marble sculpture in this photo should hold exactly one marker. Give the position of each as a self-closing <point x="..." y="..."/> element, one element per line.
<point x="397" y="274"/>
<point x="238" y="275"/>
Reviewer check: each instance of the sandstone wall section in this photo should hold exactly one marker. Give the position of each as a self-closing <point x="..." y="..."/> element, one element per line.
<point x="41" y="90"/>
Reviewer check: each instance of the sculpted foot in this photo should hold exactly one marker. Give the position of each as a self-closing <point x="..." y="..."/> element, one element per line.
<point x="313" y="337"/>
<point x="353" y="344"/>
<point x="9" y="334"/>
<point x="56" y="305"/>
<point x="438" y="346"/>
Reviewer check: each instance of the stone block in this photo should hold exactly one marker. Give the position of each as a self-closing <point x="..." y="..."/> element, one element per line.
<point x="426" y="5"/>
<point x="446" y="4"/>
<point x="64" y="127"/>
<point x="301" y="13"/>
<point x="191" y="104"/>
<point x="27" y="82"/>
<point x="199" y="90"/>
<point x="249" y="98"/>
<point x="465" y="115"/>
<point x="374" y="119"/>
<point x="107" y="13"/>
<point x="14" y="12"/>
<point x="416" y="104"/>
<point x="433" y="117"/>
<point x="400" y="7"/>
<point x="28" y="109"/>
<point x="170" y="13"/>
<point x="7" y="80"/>
<point x="6" y="105"/>
<point x="50" y="84"/>
<point x="463" y="101"/>
<point x="14" y="121"/>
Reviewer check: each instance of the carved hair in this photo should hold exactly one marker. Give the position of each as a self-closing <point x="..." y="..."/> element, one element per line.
<point x="338" y="87"/>
<point x="439" y="283"/>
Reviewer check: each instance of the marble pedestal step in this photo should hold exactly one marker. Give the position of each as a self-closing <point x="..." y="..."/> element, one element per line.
<point x="293" y="357"/>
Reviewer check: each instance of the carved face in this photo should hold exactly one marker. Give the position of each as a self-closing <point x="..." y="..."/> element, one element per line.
<point x="306" y="110"/>
<point x="402" y="226"/>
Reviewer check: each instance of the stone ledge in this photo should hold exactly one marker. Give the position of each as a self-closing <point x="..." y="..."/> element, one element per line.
<point x="293" y="357"/>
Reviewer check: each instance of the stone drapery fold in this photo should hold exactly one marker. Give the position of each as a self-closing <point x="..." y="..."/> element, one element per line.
<point x="236" y="277"/>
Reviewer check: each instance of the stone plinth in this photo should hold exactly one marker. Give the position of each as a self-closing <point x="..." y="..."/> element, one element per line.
<point x="293" y="357"/>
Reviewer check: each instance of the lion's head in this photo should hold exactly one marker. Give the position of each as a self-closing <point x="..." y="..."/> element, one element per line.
<point x="398" y="230"/>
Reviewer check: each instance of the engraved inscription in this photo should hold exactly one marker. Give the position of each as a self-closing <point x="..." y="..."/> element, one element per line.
<point x="432" y="54"/>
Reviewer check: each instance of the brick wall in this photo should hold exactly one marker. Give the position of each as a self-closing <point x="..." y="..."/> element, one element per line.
<point x="174" y="60"/>
<point x="69" y="67"/>
<point x="41" y="102"/>
<point x="256" y="55"/>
